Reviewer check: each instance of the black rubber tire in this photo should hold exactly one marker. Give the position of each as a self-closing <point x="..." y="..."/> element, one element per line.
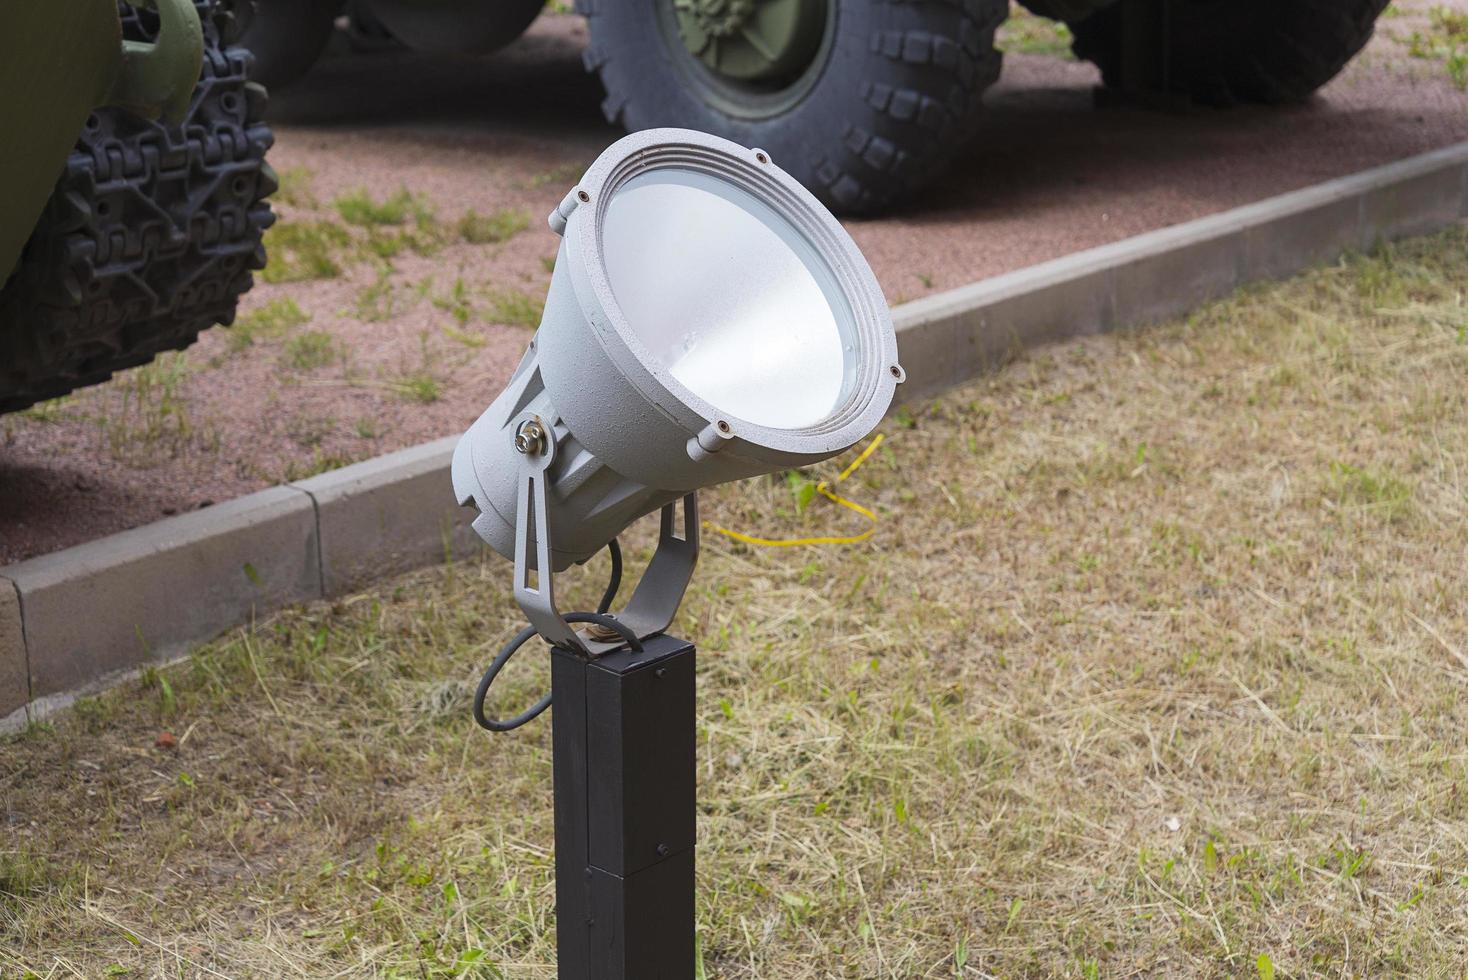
<point x="1223" y="52"/>
<point x="461" y="27"/>
<point x="149" y="237"/>
<point x="897" y="92"/>
<point x="287" y="37"/>
<point x="1066" y="10"/>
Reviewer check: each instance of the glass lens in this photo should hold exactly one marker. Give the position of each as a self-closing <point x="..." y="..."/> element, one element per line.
<point x="729" y="297"/>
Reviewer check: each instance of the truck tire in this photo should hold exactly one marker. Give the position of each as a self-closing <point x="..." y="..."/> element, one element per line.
<point x="452" y="26"/>
<point x="149" y="237"/>
<point x="1222" y="52"/>
<point x="887" y="96"/>
<point x="287" y="37"/>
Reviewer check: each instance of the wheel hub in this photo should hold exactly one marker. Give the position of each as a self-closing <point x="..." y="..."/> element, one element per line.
<point x="752" y="40"/>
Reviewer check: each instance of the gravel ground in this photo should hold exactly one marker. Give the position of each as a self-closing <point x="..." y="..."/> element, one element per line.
<point x="417" y="327"/>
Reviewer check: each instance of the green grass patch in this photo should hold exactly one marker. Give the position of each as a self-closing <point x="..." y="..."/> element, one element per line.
<point x="359" y="207"/>
<point x="1026" y="33"/>
<point x="52" y="410"/>
<point x="310" y="350"/>
<point x="562" y="174"/>
<point x="457" y="302"/>
<point x="150" y="420"/>
<point x="295" y="187"/>
<point x="320" y="462"/>
<point x="381" y="300"/>
<point x="1372" y="490"/>
<point x="493" y="228"/>
<point x="301" y="251"/>
<point x="514" y="308"/>
<point x="465" y="337"/>
<point x="1444" y="41"/>
<point x="419" y="240"/>
<point x="271" y="322"/>
<point x="418" y="386"/>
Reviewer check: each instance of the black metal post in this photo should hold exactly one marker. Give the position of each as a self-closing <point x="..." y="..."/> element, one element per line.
<point x="624" y="744"/>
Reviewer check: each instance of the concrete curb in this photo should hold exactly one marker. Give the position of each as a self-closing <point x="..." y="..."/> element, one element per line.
<point x="953" y="336"/>
<point x="387" y="515"/>
<point x="71" y="620"/>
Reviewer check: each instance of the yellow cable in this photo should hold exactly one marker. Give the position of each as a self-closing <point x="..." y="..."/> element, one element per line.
<point x="824" y="490"/>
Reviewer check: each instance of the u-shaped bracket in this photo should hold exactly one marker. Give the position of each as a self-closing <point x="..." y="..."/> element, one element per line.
<point x="654" y="602"/>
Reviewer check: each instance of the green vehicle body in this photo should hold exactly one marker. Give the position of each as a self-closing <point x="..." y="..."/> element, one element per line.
<point x="60" y="60"/>
<point x="133" y="187"/>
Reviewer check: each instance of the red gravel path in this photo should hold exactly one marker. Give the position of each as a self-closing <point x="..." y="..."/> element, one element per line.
<point x="1050" y="174"/>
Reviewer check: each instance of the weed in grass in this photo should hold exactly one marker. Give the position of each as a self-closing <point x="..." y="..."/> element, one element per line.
<point x="420" y="240"/>
<point x="498" y="226"/>
<point x="514" y="308"/>
<point x="465" y="337"/>
<point x="565" y="173"/>
<point x="295" y="187"/>
<point x="310" y="431"/>
<point x="548" y="263"/>
<point x="311" y="350"/>
<point x="51" y="411"/>
<point x="1374" y="491"/>
<point x="318" y="463"/>
<point x="301" y="251"/>
<point x="366" y="427"/>
<point x="22" y="876"/>
<point x="358" y="207"/>
<point x="456" y="303"/>
<point x="387" y="245"/>
<point x="1026" y="33"/>
<point x="1445" y="41"/>
<point x="418" y="386"/>
<point x="152" y="420"/>
<point x="379" y="301"/>
<point x="272" y="321"/>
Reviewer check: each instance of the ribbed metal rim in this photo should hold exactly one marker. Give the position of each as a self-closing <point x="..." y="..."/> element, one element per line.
<point x="752" y="171"/>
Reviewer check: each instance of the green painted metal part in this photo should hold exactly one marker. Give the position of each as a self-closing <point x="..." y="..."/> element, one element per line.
<point x="59" y="60"/>
<point x="752" y="40"/>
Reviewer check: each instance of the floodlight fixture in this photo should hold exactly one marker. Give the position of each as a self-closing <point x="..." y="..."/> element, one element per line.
<point x="708" y="320"/>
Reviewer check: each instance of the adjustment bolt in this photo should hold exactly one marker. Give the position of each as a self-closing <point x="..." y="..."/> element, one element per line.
<point x="530" y="438"/>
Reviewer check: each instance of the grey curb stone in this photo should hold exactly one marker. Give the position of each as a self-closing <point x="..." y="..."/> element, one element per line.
<point x="388" y="515"/>
<point x="150" y="592"/>
<point x="953" y="336"/>
<point x="15" y="685"/>
<point x="91" y="611"/>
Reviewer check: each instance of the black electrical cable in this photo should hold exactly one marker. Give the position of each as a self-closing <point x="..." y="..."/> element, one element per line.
<point x="599" y="617"/>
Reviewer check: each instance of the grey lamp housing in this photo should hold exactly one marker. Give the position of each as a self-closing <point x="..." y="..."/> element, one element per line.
<point x="708" y="320"/>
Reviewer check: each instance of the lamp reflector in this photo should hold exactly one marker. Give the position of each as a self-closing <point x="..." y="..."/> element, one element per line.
<point x="729" y="297"/>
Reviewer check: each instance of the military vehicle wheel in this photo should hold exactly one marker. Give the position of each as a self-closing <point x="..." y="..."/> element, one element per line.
<point x="149" y="237"/>
<point x="1221" y="52"/>
<point x="860" y="101"/>
<point x="287" y="37"/>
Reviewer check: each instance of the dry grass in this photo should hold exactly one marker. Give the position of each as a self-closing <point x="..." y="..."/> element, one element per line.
<point x="1156" y="667"/>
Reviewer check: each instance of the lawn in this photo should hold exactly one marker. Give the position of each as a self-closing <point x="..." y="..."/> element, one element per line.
<point x="1155" y="666"/>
